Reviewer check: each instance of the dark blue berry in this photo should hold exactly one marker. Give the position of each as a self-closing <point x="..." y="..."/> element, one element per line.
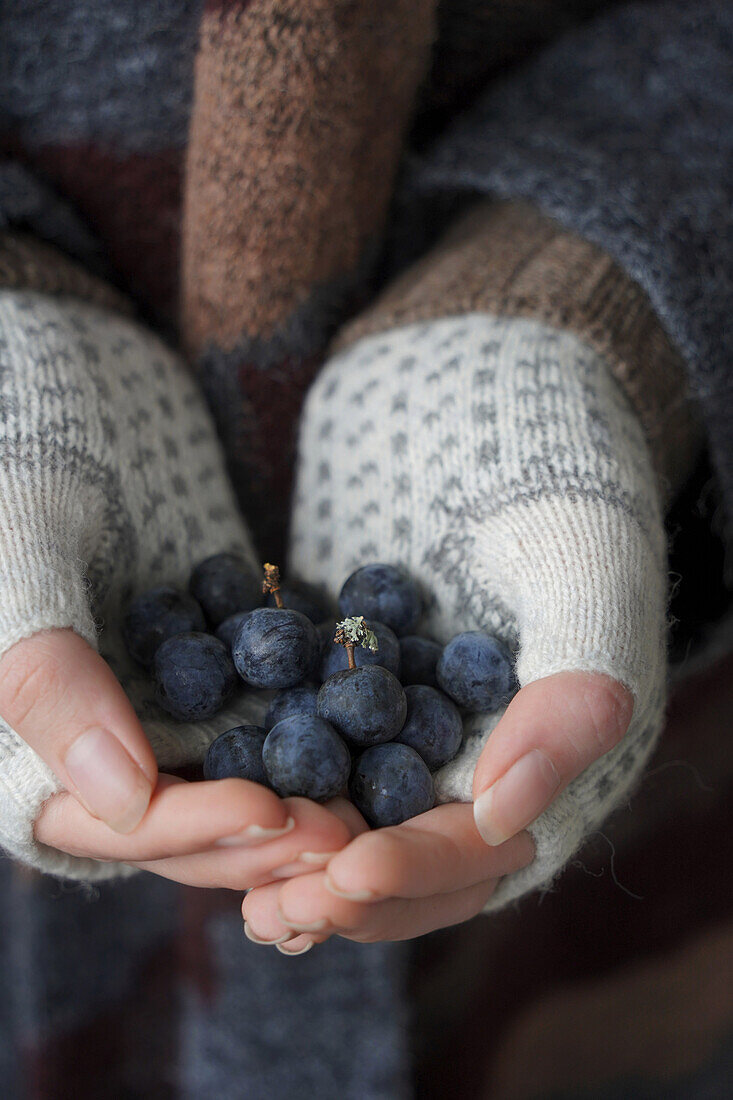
<point x="224" y="584"/>
<point x="305" y="598"/>
<point x="326" y="631"/>
<point x="477" y="671"/>
<point x="275" y="648"/>
<point x="226" y="631"/>
<point x="296" y="700"/>
<point x="334" y="657"/>
<point x="384" y="593"/>
<point x="194" y="676"/>
<point x="420" y="657"/>
<point x="433" y="726"/>
<point x="367" y="705"/>
<point x="390" y="784"/>
<point x="304" y="756"/>
<point x="237" y="754"/>
<point x="156" y="615"/>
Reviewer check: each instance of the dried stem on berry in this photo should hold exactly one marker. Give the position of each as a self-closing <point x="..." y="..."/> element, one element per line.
<point x="271" y="583"/>
<point x="353" y="632"/>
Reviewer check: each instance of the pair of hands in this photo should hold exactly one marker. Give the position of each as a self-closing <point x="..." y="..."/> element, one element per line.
<point x="310" y="871"/>
<point x="563" y="548"/>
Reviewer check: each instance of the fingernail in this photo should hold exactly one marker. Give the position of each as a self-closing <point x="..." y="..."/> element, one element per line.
<point x="318" y="859"/>
<point x="255" y="834"/>
<point x="288" y="870"/>
<point x="295" y="866"/>
<point x="353" y="895"/>
<point x="302" y="950"/>
<point x="314" y="926"/>
<point x="517" y="798"/>
<point x="107" y="779"/>
<point x="266" y="943"/>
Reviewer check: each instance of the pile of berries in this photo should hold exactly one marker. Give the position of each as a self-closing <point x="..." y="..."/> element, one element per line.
<point x="363" y="705"/>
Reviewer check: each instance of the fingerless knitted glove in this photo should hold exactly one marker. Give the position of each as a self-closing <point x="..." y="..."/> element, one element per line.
<point x="501" y="463"/>
<point x="111" y="481"/>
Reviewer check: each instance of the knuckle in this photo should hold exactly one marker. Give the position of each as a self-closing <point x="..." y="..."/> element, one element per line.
<point x="391" y="921"/>
<point x="31" y="683"/>
<point x="384" y="851"/>
<point x="608" y="708"/>
<point x="50" y="826"/>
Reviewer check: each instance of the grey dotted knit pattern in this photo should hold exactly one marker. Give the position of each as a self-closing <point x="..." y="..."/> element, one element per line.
<point x="112" y="480"/>
<point x="499" y="462"/>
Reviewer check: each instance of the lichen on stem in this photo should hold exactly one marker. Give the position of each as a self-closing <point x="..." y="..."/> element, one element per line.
<point x="353" y="632"/>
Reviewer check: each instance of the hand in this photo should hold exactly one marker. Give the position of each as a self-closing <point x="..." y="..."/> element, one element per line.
<point x="389" y="884"/>
<point x="437" y="869"/>
<point x="112" y="481"/>
<point x="499" y="462"/>
<point x="224" y="834"/>
<point x="60" y="697"/>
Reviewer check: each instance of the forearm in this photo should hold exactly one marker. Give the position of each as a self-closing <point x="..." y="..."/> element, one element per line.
<point x="621" y="131"/>
<point x="507" y="259"/>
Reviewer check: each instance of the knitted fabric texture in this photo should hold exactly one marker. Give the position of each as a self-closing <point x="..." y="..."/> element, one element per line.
<point x="499" y="462"/>
<point x="507" y="259"/>
<point x="623" y="132"/>
<point x="96" y="125"/>
<point x="289" y="175"/>
<point x="112" y="481"/>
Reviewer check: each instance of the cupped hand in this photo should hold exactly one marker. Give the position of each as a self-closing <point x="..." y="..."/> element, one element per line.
<point x="62" y="698"/>
<point x="442" y="868"/>
<point x="390" y="884"/>
<point x="225" y="834"/>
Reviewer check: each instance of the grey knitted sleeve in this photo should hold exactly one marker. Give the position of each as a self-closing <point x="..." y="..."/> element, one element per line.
<point x="111" y="480"/>
<point x="499" y="461"/>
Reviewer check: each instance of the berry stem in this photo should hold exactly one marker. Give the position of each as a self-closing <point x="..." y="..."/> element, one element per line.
<point x="271" y="583"/>
<point x="350" y="654"/>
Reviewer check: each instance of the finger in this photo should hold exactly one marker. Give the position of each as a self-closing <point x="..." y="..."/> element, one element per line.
<point x="262" y="923"/>
<point x="182" y="818"/>
<point x="320" y="853"/>
<point x="307" y="905"/>
<point x="316" y="829"/>
<point x="62" y="698"/>
<point x="551" y="732"/>
<point x="436" y="853"/>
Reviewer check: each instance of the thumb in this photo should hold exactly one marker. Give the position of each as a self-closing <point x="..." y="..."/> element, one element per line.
<point x="62" y="698"/>
<point x="552" y="731"/>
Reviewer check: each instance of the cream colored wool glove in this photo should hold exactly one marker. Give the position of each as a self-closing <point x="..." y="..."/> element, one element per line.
<point x="501" y="464"/>
<point x="111" y="481"/>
